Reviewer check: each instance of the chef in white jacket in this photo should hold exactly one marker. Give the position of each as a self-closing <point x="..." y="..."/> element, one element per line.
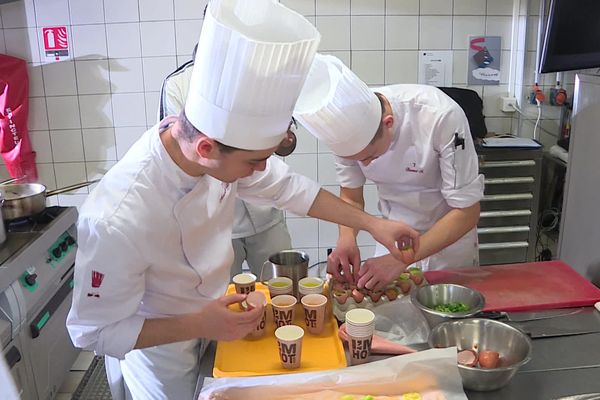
<point x="8" y="390"/>
<point x="414" y="143"/>
<point x="155" y="234"/>
<point x="258" y="231"/>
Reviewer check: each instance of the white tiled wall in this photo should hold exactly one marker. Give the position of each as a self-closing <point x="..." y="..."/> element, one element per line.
<point x="88" y="109"/>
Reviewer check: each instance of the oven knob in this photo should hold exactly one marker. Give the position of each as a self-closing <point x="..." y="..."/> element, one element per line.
<point x="30" y="279"/>
<point x="70" y="241"/>
<point x="57" y="252"/>
<point x="64" y="246"/>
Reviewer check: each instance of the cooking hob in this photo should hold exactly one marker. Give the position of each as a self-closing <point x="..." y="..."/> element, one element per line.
<point x="28" y="238"/>
<point x="36" y="283"/>
<point x="21" y="231"/>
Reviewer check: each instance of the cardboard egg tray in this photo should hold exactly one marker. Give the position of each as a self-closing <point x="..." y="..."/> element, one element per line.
<point x="371" y="300"/>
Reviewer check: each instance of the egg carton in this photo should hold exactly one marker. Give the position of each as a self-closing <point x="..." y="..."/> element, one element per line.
<point x="340" y="309"/>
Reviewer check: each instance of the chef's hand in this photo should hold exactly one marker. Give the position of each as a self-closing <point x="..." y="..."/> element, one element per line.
<point x="344" y="258"/>
<point x="378" y="272"/>
<point x="220" y="323"/>
<point x="401" y="240"/>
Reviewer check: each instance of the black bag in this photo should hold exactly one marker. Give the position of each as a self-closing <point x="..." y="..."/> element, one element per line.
<point x="472" y="105"/>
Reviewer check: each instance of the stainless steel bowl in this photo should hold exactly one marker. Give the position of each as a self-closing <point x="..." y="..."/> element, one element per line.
<point x="485" y="334"/>
<point x="429" y="296"/>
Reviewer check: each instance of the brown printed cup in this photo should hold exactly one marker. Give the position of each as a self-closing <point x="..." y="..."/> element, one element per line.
<point x="280" y="285"/>
<point x="289" y="343"/>
<point x="310" y="285"/>
<point x="314" y="312"/>
<point x="259" y="331"/>
<point x="360" y="324"/>
<point x="360" y="349"/>
<point x="244" y="283"/>
<point x="283" y="309"/>
<point x="254" y="300"/>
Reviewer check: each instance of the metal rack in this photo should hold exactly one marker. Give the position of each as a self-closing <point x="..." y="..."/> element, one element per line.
<point x="507" y="227"/>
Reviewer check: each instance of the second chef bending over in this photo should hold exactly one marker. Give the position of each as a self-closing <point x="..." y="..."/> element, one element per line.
<point x="414" y="143"/>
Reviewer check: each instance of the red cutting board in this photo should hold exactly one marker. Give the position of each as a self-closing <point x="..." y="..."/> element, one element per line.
<point x="523" y="287"/>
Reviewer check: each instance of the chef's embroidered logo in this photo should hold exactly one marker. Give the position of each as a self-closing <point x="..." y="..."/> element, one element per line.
<point x="97" y="278"/>
<point x="224" y="190"/>
<point x="413" y="168"/>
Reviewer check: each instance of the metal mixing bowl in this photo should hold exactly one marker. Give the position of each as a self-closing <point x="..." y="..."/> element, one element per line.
<point x="426" y="297"/>
<point x="485" y="334"/>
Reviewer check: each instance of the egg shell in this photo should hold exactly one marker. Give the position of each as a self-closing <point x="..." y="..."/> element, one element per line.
<point x="255" y="299"/>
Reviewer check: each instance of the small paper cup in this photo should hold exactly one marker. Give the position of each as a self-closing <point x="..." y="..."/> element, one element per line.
<point x="253" y="301"/>
<point x="280" y="285"/>
<point x="244" y="283"/>
<point x="360" y="324"/>
<point x="314" y="312"/>
<point x="359" y="348"/>
<point x="284" y="307"/>
<point x="289" y="342"/>
<point x="309" y="286"/>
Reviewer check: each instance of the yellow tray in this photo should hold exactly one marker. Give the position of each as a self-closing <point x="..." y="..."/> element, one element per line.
<point x="251" y="357"/>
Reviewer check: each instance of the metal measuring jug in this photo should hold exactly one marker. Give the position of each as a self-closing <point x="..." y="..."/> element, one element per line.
<point x="289" y="263"/>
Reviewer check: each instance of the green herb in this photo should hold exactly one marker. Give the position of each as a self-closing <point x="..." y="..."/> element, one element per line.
<point x="452" y="307"/>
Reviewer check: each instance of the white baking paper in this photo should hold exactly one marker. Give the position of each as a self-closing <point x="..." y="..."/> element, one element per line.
<point x="432" y="373"/>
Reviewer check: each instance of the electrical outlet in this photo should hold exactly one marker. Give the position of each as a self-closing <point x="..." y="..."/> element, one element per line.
<point x="508" y="104"/>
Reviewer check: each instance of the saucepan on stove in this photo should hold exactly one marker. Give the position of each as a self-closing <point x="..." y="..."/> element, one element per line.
<point x="26" y="199"/>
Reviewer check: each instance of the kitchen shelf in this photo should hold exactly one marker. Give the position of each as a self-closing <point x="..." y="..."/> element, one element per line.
<point x="507" y="226"/>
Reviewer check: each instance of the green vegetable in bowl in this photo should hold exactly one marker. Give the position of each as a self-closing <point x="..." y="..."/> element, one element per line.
<point x="452" y="307"/>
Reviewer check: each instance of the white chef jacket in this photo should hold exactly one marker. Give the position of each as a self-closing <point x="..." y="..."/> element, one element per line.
<point x="249" y="219"/>
<point x="156" y="242"/>
<point x="8" y="390"/>
<point x="425" y="172"/>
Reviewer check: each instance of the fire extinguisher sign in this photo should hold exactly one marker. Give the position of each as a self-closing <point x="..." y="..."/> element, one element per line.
<point x="56" y="43"/>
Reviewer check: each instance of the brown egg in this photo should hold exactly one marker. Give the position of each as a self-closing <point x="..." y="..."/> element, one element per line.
<point x="357" y="295"/>
<point x="340" y="296"/>
<point x="375" y="295"/>
<point x="416" y="276"/>
<point x="391" y="294"/>
<point x="404" y="282"/>
<point x="337" y="285"/>
<point x="488" y="359"/>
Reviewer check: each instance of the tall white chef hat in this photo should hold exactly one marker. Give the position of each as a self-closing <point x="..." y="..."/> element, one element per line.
<point x="251" y="63"/>
<point x="337" y="107"/>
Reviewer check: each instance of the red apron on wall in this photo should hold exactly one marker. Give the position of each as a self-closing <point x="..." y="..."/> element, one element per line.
<point x="15" y="145"/>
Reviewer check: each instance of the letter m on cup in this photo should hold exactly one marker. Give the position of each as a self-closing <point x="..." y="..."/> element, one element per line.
<point x="288" y="349"/>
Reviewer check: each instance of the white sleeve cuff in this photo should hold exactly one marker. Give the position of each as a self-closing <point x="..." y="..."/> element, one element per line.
<point x="118" y="339"/>
<point x="465" y="196"/>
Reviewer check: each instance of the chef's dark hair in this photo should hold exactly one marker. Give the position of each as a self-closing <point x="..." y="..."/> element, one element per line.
<point x="189" y="133"/>
<point x="379" y="133"/>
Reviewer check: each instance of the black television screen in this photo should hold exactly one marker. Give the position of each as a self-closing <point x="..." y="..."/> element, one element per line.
<point x="572" y="38"/>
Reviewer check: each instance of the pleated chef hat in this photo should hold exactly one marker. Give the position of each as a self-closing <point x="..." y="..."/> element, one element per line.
<point x="337" y="107"/>
<point x="251" y="63"/>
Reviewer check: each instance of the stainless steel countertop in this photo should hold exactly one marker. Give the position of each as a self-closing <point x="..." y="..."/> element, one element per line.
<point x="560" y="366"/>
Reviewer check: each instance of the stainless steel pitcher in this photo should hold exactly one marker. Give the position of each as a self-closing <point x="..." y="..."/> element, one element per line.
<point x="289" y="263"/>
